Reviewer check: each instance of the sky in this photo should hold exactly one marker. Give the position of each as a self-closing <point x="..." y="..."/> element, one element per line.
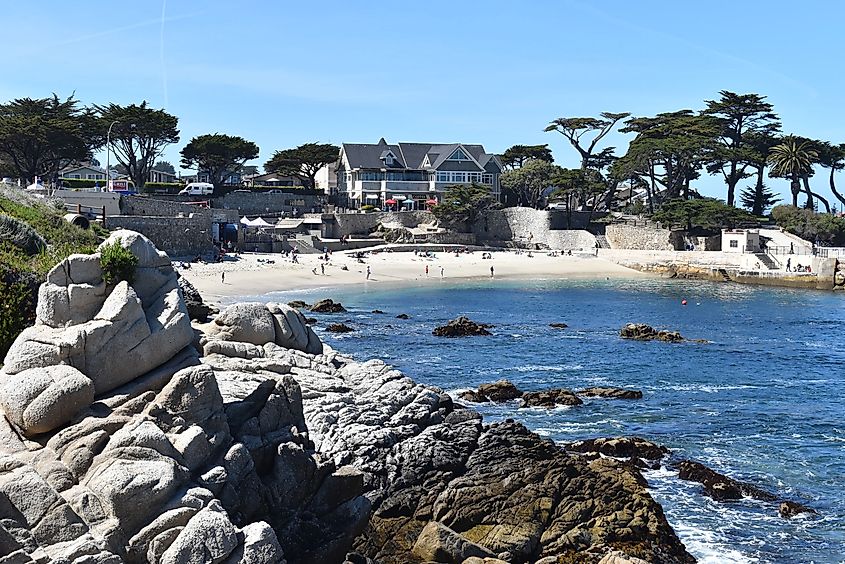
<point x="283" y="73"/>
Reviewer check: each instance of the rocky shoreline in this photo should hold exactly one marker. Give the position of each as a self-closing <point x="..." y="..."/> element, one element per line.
<point x="132" y="436"/>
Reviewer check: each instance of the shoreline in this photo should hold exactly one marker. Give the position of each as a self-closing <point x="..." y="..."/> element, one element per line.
<point x="256" y="274"/>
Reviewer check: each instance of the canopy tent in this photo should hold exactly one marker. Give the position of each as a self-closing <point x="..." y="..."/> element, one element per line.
<point x="408" y="203"/>
<point x="371" y="196"/>
<point x="246" y="221"/>
<point x="259" y="222"/>
<point x="400" y="197"/>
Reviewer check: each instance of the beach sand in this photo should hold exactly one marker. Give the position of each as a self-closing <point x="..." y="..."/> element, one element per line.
<point x="251" y="274"/>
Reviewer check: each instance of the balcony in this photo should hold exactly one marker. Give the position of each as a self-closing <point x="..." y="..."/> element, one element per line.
<point x="407" y="185"/>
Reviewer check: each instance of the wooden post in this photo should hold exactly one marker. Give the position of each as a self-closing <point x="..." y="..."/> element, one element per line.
<point x="104" y="216"/>
<point x="78" y="208"/>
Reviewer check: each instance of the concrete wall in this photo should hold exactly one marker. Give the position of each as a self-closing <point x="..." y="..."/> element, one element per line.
<point x="528" y="227"/>
<point x="256" y="203"/>
<point x="93" y="199"/>
<point x="621" y="236"/>
<point x="143" y="206"/>
<point x="346" y="224"/>
<point x="177" y="236"/>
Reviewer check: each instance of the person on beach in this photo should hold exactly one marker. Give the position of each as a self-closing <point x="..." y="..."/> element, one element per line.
<point x="789" y="264"/>
<point x="491" y="271"/>
<point x="368" y="272"/>
<point x="323" y="269"/>
<point x="222" y="277"/>
<point x="426" y="270"/>
<point x="441" y="271"/>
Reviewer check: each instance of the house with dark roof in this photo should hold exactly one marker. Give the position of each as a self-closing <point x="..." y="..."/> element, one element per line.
<point x="411" y="175"/>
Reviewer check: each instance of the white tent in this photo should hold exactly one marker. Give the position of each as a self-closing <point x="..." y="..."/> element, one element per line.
<point x="246" y="221"/>
<point x="259" y="222"/>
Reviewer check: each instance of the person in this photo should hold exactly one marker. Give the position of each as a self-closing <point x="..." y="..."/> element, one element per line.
<point x="323" y="269"/>
<point x="314" y="271"/>
<point x="491" y="271"/>
<point x="222" y="277"/>
<point x="791" y="248"/>
<point x="789" y="264"/>
<point x="426" y="270"/>
<point x="441" y="271"/>
<point x="368" y="272"/>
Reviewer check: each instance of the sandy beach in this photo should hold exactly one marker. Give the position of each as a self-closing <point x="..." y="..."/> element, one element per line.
<point x="257" y="273"/>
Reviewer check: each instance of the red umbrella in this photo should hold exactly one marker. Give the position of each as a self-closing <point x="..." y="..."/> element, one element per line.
<point x="390" y="202"/>
<point x="431" y="202"/>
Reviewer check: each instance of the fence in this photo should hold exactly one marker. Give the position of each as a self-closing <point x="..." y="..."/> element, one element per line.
<point x="830" y="252"/>
<point x="91" y="212"/>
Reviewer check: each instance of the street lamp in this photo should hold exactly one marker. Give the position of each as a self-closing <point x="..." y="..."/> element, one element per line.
<point x="108" y="172"/>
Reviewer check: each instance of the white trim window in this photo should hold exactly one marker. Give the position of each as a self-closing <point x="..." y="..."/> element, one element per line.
<point x="487" y="179"/>
<point x="458" y="155"/>
<point x="458" y="177"/>
<point x="442" y="177"/>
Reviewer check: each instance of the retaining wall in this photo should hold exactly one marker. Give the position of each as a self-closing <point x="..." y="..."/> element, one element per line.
<point x="256" y="203"/>
<point x="110" y="200"/>
<point x="177" y="236"/>
<point x="621" y="236"/>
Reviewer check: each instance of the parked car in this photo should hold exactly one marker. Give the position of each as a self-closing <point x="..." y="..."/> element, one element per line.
<point x="197" y="189"/>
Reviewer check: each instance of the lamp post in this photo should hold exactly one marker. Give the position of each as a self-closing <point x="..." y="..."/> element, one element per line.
<point x="108" y="138"/>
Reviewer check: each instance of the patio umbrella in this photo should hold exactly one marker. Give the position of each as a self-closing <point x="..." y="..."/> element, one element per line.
<point x="431" y="202"/>
<point x="408" y="203"/>
<point x="390" y="202"/>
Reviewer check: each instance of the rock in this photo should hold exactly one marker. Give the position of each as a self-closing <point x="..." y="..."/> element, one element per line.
<point x="292" y="330"/>
<point x="42" y="399"/>
<point x="612" y="393"/>
<point x="208" y="537"/>
<point x="339" y="328"/>
<point x="439" y="543"/>
<point x="310" y="320"/>
<point x="473" y="396"/>
<point x="718" y="486"/>
<point x="789" y="509"/>
<point x="247" y="322"/>
<point x="327" y="306"/>
<point x="558" y="325"/>
<point x="550" y="398"/>
<point x="643" y="332"/>
<point x="619" y="557"/>
<point x="197" y="309"/>
<point x="461" y="327"/>
<point x="621" y="447"/>
<point x="298" y="304"/>
<point x="403" y="316"/>
<point x="377" y="311"/>
<point x="501" y="390"/>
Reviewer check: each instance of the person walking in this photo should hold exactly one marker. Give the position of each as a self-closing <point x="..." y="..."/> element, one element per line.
<point x="491" y="271"/>
<point x="441" y="271"/>
<point x="222" y="277"/>
<point x="322" y="269"/>
<point x="789" y="264"/>
<point x="426" y="271"/>
<point x="368" y="272"/>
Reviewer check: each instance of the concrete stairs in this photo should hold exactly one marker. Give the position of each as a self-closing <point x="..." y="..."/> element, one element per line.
<point x="767" y="261"/>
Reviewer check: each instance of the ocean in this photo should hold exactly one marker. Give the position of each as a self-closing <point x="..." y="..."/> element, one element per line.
<point x="762" y="401"/>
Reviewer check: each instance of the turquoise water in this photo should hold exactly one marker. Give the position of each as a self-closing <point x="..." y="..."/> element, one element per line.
<point x="762" y="402"/>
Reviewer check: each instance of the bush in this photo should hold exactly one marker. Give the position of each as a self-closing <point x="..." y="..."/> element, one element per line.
<point x="17" y="306"/>
<point x="810" y="225"/>
<point x="117" y="263"/>
<point x="81" y="183"/>
<point x="367" y="208"/>
<point x="21" y="235"/>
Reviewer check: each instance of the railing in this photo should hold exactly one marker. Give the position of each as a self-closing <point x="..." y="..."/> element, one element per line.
<point x="92" y="212"/>
<point x="830" y="252"/>
<point x="789" y="250"/>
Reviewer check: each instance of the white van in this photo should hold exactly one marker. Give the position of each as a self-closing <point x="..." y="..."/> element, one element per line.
<point x="197" y="189"/>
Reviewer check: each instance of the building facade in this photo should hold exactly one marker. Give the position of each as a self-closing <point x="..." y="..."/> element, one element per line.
<point x="410" y="176"/>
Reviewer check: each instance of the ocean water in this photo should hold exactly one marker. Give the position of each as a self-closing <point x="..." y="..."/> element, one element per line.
<point x="761" y="402"/>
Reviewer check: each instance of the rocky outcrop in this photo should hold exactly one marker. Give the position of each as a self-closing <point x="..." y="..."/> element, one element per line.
<point x="403" y="316"/>
<point x="256" y="323"/>
<point x="462" y="327"/>
<point x="327" y="306"/>
<point x="501" y="390"/>
<point x="621" y="447"/>
<point x="550" y="398"/>
<point x="339" y="328"/>
<point x="610" y="393"/>
<point x="197" y="309"/>
<point x="643" y="332"/>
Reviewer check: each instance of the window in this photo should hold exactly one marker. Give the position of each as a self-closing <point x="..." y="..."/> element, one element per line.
<point x="474" y="176"/>
<point x="458" y="177"/>
<point x="442" y="177"/>
<point x="370" y="175"/>
<point x="75" y="176"/>
<point x="459" y="155"/>
<point x="94" y="177"/>
<point x="487" y="179"/>
<point x="734" y="243"/>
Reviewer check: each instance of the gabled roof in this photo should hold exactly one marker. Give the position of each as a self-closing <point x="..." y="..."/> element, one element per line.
<point x="412" y="155"/>
<point x="367" y="155"/>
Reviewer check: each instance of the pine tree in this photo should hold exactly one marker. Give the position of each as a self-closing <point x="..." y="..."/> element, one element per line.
<point x="758" y="198"/>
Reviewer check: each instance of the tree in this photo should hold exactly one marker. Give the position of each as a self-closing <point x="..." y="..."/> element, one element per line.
<point x="531" y="181"/>
<point x="463" y="204"/>
<point x="219" y="155"/>
<point x="41" y="136"/>
<point x="139" y="136"/>
<point x="575" y="128"/>
<point x="832" y="157"/>
<point x="516" y="156"/>
<point x="792" y="158"/>
<point x="807" y="224"/>
<point x="735" y="118"/>
<point x="759" y="198"/>
<point x="164" y="166"/>
<point x="303" y="162"/>
<point x="707" y="213"/>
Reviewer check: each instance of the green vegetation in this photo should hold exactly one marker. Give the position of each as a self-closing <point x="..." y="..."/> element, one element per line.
<point x="367" y="208"/>
<point x="303" y="162"/>
<point x="706" y="213"/>
<point x="462" y="205"/>
<point x="218" y="155"/>
<point x="822" y="227"/>
<point x="33" y="237"/>
<point x="118" y="263"/>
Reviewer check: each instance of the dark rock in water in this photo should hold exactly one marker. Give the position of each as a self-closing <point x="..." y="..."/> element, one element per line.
<point x="550" y="398"/>
<point x="502" y="390"/>
<point x="612" y="393"/>
<point x="327" y="306"/>
<point x="788" y="509"/>
<point x="558" y="325"/>
<point x="298" y="304"/>
<point x="197" y="309"/>
<point x="339" y="328"/>
<point x="621" y="447"/>
<point x="718" y="486"/>
<point x="403" y="316"/>
<point x="462" y="327"/>
<point x="643" y="332"/>
<point x="310" y="320"/>
<point x="377" y="311"/>
<point x="473" y="396"/>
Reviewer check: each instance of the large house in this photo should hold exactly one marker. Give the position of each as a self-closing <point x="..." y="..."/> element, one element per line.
<point x="410" y="175"/>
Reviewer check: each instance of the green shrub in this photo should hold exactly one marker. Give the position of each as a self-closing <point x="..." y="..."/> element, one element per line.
<point x="117" y="263"/>
<point x="21" y="235"/>
<point x="367" y="208"/>
<point x="82" y="183"/>
<point x="18" y="295"/>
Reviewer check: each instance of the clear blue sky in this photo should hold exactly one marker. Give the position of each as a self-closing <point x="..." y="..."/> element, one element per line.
<point x="285" y="73"/>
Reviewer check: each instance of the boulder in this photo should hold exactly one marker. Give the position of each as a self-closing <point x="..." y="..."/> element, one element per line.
<point x="621" y="447"/>
<point x="327" y="306"/>
<point x="208" y="537"/>
<point x="403" y="316"/>
<point x="298" y="304"/>
<point x="501" y="390"/>
<point x="292" y="330"/>
<point x="718" y="486"/>
<point x="643" y="332"/>
<point x="198" y="310"/>
<point x="38" y="400"/>
<point x="377" y="311"/>
<point x="550" y="398"/>
<point x="439" y="543"/>
<point x="461" y="327"/>
<point x="789" y="509"/>
<point x="611" y="393"/>
<point x="247" y="322"/>
<point x="472" y="396"/>
<point x="339" y="328"/>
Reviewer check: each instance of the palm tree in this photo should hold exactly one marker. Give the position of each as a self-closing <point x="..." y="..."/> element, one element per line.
<point x="793" y="159"/>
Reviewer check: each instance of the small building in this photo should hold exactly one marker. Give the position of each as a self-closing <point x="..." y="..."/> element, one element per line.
<point x="86" y="172"/>
<point x="741" y="241"/>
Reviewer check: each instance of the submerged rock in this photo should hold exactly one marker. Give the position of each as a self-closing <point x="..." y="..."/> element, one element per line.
<point x="643" y="332"/>
<point x="558" y="325"/>
<point x="612" y="393"/>
<point x="550" y="398"/>
<point x="339" y="328"/>
<point x="621" y="447"/>
<point x="327" y="306"/>
<point x="403" y="316"/>
<point x="789" y="509"/>
<point x="377" y="311"/>
<point x="462" y="327"/>
<point x="501" y="390"/>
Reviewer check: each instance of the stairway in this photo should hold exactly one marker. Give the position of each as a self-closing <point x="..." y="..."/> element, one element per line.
<point x="767" y="261"/>
<point x="603" y="242"/>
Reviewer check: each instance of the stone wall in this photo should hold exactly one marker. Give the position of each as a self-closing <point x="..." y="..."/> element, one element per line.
<point x="622" y="236"/>
<point x="177" y="236"/>
<point x="528" y="227"/>
<point x="257" y="203"/>
<point x="347" y="224"/>
<point x="143" y="206"/>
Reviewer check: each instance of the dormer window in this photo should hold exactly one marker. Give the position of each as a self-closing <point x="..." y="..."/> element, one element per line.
<point x="459" y="155"/>
<point x="388" y="158"/>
